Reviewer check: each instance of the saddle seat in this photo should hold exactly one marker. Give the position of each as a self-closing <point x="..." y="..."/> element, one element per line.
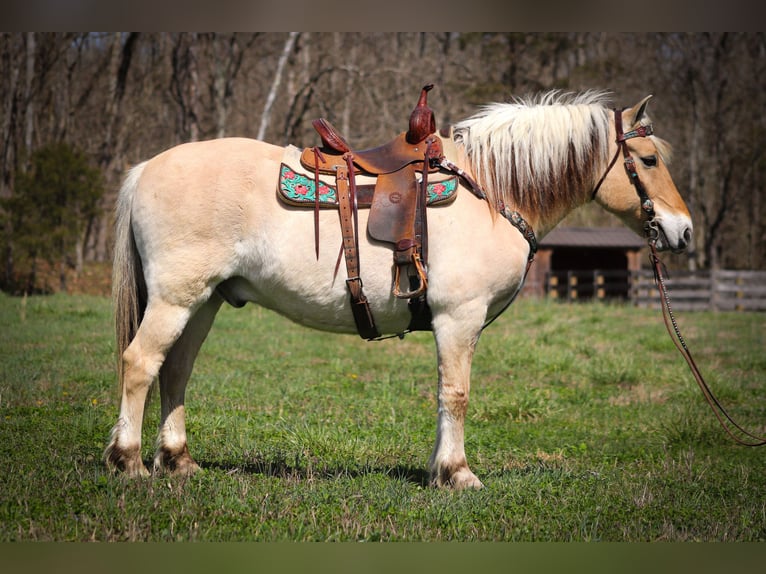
<point x="387" y="158"/>
<point x="406" y="148"/>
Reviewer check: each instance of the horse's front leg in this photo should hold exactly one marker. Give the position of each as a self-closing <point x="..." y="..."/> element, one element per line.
<point x="456" y="336"/>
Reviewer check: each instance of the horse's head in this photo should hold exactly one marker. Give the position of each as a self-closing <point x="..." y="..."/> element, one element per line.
<point x="624" y="191"/>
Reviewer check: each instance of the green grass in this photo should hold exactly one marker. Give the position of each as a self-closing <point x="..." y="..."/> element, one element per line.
<point x="584" y="424"/>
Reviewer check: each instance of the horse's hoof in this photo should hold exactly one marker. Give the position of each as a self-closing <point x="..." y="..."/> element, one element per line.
<point x="460" y="479"/>
<point x="180" y="468"/>
<point x="124" y="461"/>
<point x="180" y="463"/>
<point x="128" y="468"/>
<point x="464" y="479"/>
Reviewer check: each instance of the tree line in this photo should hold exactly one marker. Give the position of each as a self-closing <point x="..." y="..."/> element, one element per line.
<point x="95" y="103"/>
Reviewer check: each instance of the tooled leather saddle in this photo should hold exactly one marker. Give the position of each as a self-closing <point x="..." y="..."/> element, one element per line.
<point x="398" y="214"/>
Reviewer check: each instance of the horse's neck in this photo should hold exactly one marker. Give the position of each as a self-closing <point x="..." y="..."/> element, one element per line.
<point x="456" y="153"/>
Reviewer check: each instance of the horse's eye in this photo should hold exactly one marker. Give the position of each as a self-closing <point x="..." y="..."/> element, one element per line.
<point x="650" y="160"/>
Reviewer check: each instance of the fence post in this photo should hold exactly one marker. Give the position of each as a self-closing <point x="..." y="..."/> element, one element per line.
<point x="572" y="281"/>
<point x="740" y="293"/>
<point x="553" y="285"/>
<point x="599" y="284"/>
<point x="714" y="290"/>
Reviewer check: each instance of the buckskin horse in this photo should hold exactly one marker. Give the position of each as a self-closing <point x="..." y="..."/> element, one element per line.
<point x="202" y="224"/>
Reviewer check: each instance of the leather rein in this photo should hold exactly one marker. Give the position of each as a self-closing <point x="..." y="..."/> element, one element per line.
<point x="652" y="232"/>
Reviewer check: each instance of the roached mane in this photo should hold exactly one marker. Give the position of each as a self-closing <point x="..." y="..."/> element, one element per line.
<point x="538" y="153"/>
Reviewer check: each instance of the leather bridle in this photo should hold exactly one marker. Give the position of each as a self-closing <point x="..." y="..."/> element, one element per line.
<point x="651" y="228"/>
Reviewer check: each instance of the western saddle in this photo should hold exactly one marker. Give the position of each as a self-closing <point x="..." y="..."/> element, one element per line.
<point x="398" y="209"/>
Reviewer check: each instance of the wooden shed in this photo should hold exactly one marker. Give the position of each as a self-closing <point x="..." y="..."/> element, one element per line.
<point x="582" y="263"/>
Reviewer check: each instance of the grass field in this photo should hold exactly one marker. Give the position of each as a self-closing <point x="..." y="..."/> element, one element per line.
<point x="584" y="424"/>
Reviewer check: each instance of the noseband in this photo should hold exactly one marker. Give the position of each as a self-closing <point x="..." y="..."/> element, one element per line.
<point x="651" y="229"/>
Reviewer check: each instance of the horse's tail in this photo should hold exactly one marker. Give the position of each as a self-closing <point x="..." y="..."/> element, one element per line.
<point x="128" y="287"/>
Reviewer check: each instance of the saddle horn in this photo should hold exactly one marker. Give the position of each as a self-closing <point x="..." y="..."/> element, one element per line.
<point x="422" y="119"/>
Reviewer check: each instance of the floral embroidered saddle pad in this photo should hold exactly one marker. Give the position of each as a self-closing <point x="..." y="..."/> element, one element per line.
<point x="297" y="187"/>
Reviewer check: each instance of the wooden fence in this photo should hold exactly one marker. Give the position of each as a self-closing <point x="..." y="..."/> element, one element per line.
<point x="599" y="284"/>
<point x="721" y="290"/>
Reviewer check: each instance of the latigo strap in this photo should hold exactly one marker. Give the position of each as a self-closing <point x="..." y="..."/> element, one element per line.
<point x="349" y="224"/>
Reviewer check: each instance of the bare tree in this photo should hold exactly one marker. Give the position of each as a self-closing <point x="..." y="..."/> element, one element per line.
<point x="97" y="234"/>
<point x="710" y="75"/>
<point x="29" y="108"/>
<point x="12" y="47"/>
<point x="228" y="53"/>
<point x="185" y="85"/>
<point x="267" y="107"/>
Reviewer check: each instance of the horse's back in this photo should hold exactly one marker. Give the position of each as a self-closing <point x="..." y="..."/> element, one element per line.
<point x="206" y="181"/>
<point x="212" y="165"/>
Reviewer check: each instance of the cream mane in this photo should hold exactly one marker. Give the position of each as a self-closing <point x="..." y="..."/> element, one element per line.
<point x="538" y="154"/>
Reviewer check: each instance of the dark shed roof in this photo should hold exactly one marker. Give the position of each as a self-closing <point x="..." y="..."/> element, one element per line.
<point x="599" y="237"/>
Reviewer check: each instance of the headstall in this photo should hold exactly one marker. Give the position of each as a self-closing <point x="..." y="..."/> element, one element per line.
<point x="651" y="229"/>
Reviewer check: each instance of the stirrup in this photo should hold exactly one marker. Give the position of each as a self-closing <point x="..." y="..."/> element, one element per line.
<point x="421" y="274"/>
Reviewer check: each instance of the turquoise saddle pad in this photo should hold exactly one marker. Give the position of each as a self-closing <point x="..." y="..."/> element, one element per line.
<point x="299" y="189"/>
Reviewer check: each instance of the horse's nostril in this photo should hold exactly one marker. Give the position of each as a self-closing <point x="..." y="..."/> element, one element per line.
<point x="687" y="235"/>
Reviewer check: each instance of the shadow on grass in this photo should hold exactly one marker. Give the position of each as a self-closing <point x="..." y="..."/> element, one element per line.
<point x="281" y="469"/>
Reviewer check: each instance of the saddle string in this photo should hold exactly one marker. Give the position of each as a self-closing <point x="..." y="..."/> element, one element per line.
<point x="317" y="157"/>
<point x="349" y="157"/>
<point x="680" y="343"/>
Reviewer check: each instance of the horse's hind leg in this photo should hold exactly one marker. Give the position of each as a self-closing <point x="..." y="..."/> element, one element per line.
<point x="172" y="451"/>
<point x="161" y="326"/>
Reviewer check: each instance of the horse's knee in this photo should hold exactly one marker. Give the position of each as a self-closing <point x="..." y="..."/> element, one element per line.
<point x="454" y="400"/>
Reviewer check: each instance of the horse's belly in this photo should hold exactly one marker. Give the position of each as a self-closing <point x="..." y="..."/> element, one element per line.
<point x="326" y="311"/>
<point x="237" y="291"/>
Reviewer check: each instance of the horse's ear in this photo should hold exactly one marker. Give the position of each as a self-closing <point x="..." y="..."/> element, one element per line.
<point x="636" y="113"/>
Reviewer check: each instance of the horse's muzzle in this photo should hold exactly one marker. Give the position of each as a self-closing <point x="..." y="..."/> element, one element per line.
<point x="674" y="235"/>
